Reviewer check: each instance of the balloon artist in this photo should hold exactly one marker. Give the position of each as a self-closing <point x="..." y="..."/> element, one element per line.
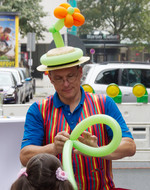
<point x="52" y="121"/>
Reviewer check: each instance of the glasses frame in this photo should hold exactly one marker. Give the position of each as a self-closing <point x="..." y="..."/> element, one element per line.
<point x="70" y="79"/>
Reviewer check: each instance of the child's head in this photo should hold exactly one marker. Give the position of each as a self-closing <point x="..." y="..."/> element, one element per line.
<point x="43" y="172"/>
<point x="7" y="30"/>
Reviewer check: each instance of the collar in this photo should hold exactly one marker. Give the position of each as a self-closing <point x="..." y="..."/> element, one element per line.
<point x="58" y="103"/>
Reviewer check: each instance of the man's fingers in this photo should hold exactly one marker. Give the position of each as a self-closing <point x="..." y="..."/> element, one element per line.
<point x="63" y="136"/>
<point x="64" y="133"/>
<point x="86" y="134"/>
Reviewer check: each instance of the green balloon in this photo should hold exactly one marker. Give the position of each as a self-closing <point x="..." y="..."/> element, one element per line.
<point x="58" y="39"/>
<point x="101" y="151"/>
<point x="67" y="162"/>
<point x="88" y="150"/>
<point x="59" y="24"/>
<point x="56" y="34"/>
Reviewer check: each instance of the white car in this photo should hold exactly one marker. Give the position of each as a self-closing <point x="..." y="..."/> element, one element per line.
<point x="125" y="75"/>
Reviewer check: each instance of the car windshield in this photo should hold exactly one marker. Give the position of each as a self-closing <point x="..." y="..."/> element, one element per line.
<point x="5" y="80"/>
<point x="16" y="75"/>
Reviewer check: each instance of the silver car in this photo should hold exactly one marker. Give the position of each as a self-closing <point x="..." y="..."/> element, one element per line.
<point x="17" y="76"/>
<point x="125" y="75"/>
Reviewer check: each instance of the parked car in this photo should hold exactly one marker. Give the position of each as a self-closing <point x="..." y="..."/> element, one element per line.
<point x="9" y="88"/>
<point x="30" y="80"/>
<point x="125" y="75"/>
<point x="19" y="81"/>
<point x="28" y="83"/>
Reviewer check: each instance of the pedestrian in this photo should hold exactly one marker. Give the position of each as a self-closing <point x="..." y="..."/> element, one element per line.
<point x="49" y="122"/>
<point x="43" y="172"/>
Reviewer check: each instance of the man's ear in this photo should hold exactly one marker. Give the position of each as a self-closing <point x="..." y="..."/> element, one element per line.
<point x="81" y="71"/>
<point x="49" y="76"/>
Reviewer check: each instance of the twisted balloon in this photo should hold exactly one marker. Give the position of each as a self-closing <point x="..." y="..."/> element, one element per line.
<point x="88" y="150"/>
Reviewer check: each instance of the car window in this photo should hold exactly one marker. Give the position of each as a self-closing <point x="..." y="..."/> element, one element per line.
<point x="24" y="76"/>
<point x="6" y="80"/>
<point x="16" y="75"/>
<point x="21" y="74"/>
<point x="145" y="77"/>
<point x="107" y="77"/>
<point x="86" y="69"/>
<point x="130" y="77"/>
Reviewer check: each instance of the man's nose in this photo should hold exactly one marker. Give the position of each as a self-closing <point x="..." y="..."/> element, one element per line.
<point x="65" y="82"/>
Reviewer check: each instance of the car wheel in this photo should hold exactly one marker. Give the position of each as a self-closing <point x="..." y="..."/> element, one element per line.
<point x="24" y="101"/>
<point x="31" y="96"/>
<point x="28" y="98"/>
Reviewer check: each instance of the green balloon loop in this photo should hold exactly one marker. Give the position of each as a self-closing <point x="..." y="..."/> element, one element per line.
<point x="92" y="120"/>
<point x="67" y="162"/>
<point x="88" y="150"/>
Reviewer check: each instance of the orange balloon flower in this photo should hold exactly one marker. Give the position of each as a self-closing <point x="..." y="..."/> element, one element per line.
<point x="71" y="15"/>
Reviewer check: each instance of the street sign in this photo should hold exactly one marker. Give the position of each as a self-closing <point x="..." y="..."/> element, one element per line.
<point x="30" y="41"/>
<point x="92" y="51"/>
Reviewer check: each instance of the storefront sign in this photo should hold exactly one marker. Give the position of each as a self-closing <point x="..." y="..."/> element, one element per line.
<point x="101" y="37"/>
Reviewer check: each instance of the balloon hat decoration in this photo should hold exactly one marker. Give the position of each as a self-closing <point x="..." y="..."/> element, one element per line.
<point x="63" y="56"/>
<point x="88" y="150"/>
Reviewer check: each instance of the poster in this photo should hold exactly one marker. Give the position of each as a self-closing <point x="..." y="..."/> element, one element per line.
<point x="8" y="40"/>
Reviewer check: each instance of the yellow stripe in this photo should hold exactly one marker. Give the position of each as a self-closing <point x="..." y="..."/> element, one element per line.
<point x="106" y="175"/>
<point x="67" y="127"/>
<point x="54" y="124"/>
<point x="97" y="105"/>
<point x="82" y="176"/>
<point x="97" y="179"/>
<point x="44" y="104"/>
<point x="86" y="114"/>
<point x="16" y="40"/>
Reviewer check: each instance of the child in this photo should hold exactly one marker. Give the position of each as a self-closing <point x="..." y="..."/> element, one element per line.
<point x="43" y="172"/>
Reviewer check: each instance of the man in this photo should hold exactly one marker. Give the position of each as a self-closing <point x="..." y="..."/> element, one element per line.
<point x="49" y="123"/>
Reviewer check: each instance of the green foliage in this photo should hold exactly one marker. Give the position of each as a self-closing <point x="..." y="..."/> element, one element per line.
<point x="128" y="18"/>
<point x="31" y="13"/>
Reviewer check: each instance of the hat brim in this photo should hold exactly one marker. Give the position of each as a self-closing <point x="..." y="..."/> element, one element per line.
<point x="67" y="65"/>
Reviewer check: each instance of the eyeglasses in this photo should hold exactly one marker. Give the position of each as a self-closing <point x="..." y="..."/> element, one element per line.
<point x="70" y="79"/>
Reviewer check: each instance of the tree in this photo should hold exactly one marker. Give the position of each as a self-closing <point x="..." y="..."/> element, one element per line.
<point x="31" y="13"/>
<point x="128" y="18"/>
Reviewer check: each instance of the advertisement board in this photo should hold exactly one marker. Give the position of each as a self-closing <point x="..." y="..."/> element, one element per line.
<point x="9" y="26"/>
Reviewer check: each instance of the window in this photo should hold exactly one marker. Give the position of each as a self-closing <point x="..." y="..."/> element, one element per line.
<point x="130" y="77"/>
<point x="107" y="77"/>
<point x="86" y="69"/>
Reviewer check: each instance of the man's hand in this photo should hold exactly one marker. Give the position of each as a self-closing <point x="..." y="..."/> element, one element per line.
<point x="59" y="141"/>
<point x="88" y="139"/>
